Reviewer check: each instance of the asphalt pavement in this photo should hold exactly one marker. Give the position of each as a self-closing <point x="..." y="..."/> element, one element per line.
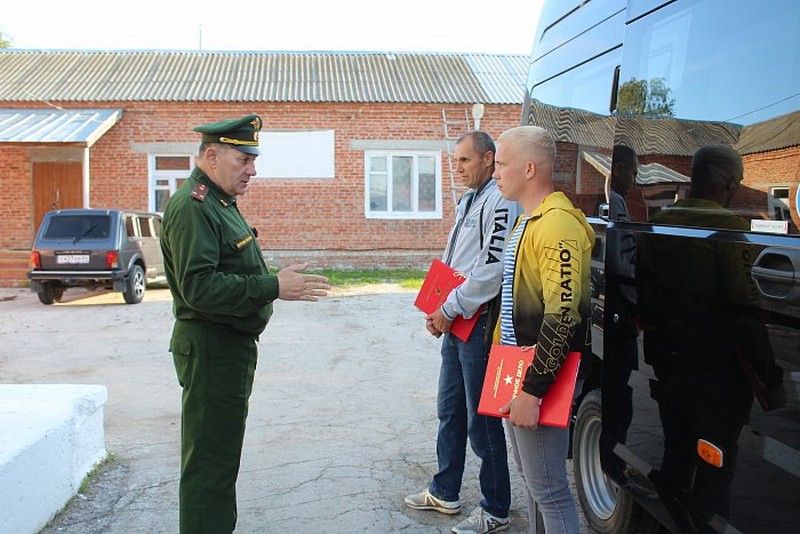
<point x="342" y="421"/>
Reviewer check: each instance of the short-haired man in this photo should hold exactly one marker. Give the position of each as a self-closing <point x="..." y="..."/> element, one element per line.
<point x="223" y="296"/>
<point x="545" y="302"/>
<point x="474" y="248"/>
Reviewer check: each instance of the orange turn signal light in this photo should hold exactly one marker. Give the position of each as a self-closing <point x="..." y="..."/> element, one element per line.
<point x="710" y="453"/>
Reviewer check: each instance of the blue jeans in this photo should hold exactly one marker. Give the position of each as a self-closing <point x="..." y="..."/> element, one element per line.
<point x="541" y="457"/>
<point x="460" y="383"/>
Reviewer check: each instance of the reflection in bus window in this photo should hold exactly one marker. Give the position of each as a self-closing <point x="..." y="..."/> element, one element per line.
<point x="718" y="301"/>
<point x="712" y="72"/>
<point x="587" y="86"/>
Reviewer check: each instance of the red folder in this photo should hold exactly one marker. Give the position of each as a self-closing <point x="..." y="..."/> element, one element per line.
<point x="439" y="282"/>
<point x="505" y="372"/>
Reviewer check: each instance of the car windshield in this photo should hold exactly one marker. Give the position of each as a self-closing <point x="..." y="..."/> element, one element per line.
<point x="78" y="227"/>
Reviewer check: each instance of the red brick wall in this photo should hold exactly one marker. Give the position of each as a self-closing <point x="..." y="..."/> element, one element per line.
<point x="322" y="219"/>
<point x="780" y="167"/>
<point x="16" y="212"/>
<point x="291" y="214"/>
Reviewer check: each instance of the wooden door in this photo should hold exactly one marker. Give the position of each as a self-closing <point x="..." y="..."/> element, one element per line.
<point x="56" y="185"/>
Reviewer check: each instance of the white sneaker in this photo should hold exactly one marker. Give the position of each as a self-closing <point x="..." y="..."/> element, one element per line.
<point x="426" y="501"/>
<point x="481" y="522"/>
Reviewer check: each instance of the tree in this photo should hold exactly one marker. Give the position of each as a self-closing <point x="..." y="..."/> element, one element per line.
<point x="653" y="99"/>
<point x="4" y="43"/>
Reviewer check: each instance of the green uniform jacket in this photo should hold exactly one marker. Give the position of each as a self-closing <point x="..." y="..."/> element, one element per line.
<point x="213" y="262"/>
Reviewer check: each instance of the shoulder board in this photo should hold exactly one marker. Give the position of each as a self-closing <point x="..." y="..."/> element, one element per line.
<point x="199" y="192"/>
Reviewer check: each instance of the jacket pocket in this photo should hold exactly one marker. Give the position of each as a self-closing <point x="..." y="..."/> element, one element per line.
<point x="182" y="347"/>
<point x="181" y="350"/>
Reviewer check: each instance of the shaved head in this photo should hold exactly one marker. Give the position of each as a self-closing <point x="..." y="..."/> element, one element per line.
<point x="524" y="165"/>
<point x="532" y="142"/>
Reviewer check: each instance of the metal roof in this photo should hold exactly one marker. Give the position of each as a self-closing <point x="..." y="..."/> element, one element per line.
<point x="117" y="76"/>
<point x="678" y="137"/>
<point x="780" y="132"/>
<point x="647" y="174"/>
<point x="81" y="127"/>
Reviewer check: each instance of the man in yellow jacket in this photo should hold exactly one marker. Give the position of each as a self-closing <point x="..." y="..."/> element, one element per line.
<point x="545" y="302"/>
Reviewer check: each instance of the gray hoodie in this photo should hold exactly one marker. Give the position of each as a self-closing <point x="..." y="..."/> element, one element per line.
<point x="475" y="248"/>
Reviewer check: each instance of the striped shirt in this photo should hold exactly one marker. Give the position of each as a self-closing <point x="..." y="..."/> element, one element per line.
<point x="507" y="335"/>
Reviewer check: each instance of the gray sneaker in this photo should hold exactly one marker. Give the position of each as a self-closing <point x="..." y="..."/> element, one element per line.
<point x="481" y="522"/>
<point x="426" y="501"/>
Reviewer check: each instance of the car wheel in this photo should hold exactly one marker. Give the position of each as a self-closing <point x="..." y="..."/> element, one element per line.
<point x="134" y="285"/>
<point x="50" y="293"/>
<point x="607" y="507"/>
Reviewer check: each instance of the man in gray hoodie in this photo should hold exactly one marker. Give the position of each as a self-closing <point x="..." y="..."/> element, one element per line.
<point x="475" y="249"/>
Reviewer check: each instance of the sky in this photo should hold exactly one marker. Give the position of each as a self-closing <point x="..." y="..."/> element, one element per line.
<point x="495" y="26"/>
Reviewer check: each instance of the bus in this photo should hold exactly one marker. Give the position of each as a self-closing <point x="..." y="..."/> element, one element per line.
<point x="690" y="419"/>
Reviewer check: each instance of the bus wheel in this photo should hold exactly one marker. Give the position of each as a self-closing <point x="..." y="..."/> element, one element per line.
<point x="607" y="507"/>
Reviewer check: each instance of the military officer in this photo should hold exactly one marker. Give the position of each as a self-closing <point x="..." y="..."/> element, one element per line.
<point x="223" y="294"/>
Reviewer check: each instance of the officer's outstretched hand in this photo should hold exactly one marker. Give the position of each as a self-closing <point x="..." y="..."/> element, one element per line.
<point x="294" y="285"/>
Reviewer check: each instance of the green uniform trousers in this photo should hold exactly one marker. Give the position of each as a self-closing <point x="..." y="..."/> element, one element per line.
<point x="215" y="368"/>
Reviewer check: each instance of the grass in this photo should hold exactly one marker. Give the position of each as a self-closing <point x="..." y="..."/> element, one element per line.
<point x="84" y="487"/>
<point x="407" y="278"/>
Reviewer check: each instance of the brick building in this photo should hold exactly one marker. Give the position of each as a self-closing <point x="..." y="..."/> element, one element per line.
<point x="354" y="168"/>
<point x="770" y="153"/>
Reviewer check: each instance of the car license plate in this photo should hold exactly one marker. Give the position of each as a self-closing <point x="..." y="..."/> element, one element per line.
<point x="72" y="259"/>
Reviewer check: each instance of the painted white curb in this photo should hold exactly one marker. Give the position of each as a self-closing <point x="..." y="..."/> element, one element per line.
<point x="51" y="436"/>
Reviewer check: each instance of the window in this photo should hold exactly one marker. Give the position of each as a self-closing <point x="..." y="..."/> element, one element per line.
<point x="156" y="223"/>
<point x="574" y="62"/>
<point x="130" y="226"/>
<point x="167" y="174"/>
<point x="84" y="227"/>
<point x="689" y="48"/>
<point x="403" y="185"/>
<point x="144" y="227"/>
<point x="778" y="203"/>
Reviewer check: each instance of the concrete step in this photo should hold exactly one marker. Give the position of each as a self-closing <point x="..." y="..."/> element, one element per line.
<point x="14" y="265"/>
<point x="51" y="437"/>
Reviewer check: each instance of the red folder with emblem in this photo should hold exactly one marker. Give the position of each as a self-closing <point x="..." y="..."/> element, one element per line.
<point x="439" y="282"/>
<point x="505" y="372"/>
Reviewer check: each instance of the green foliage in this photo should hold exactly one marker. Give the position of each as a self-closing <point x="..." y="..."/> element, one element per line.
<point x="4" y="41"/>
<point x="646" y="99"/>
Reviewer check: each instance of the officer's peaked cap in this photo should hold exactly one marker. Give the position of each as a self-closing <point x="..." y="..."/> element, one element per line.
<point x="241" y="134"/>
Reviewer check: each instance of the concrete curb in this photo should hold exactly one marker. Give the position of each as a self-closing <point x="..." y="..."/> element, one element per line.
<point x="51" y="437"/>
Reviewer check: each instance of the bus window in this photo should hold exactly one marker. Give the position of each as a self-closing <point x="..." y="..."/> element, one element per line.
<point x="716" y="60"/>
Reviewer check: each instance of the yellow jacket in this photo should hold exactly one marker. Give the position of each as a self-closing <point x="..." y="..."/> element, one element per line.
<point x="551" y="277"/>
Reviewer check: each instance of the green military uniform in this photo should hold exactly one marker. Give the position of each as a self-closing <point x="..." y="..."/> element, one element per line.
<point x="223" y="297"/>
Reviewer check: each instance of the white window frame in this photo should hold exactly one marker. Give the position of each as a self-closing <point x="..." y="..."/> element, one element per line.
<point x="171" y="176"/>
<point x="782" y="203"/>
<point x="414" y="213"/>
